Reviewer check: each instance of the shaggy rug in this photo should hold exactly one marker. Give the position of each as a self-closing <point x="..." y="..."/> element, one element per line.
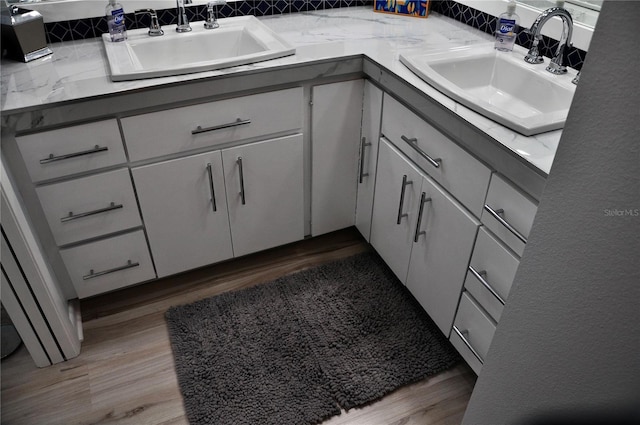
<point x="296" y="350"/>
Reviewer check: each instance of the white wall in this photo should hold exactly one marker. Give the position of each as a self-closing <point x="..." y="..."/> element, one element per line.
<point x="569" y="338"/>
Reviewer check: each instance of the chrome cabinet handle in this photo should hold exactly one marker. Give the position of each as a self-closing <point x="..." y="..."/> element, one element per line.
<point x="211" y="188"/>
<point x="497" y="216"/>
<point x="423" y="200"/>
<point x="480" y="276"/>
<point x="363" y="145"/>
<point x="413" y="142"/>
<point x="461" y="334"/>
<point x="53" y="158"/>
<point x="405" y="183"/>
<point x="239" y="161"/>
<point x="93" y="274"/>
<point x="112" y="206"/>
<point x="199" y="129"/>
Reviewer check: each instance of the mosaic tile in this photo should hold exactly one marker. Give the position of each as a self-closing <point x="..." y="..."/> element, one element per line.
<point x="315" y="5"/>
<point x="299" y="6"/>
<point x="99" y="25"/>
<point x="263" y="8"/>
<point x="281" y="6"/>
<point x="59" y="31"/>
<point x="331" y="4"/>
<point x="81" y="29"/>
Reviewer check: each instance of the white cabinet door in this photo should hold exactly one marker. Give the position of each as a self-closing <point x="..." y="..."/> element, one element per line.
<point x="185" y="228"/>
<point x="371" y="111"/>
<point x="397" y="194"/>
<point x="265" y="186"/>
<point x="335" y="134"/>
<point x="441" y="252"/>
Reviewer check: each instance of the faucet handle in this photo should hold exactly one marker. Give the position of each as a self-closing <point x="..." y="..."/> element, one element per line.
<point x="558" y="64"/>
<point x="212" y="22"/>
<point x="154" y="27"/>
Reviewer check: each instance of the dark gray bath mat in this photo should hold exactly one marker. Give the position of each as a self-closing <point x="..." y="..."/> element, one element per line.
<point x="295" y="350"/>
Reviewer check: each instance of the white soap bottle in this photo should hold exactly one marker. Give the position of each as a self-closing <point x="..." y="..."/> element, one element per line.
<point x="115" y="21"/>
<point x="507" y="28"/>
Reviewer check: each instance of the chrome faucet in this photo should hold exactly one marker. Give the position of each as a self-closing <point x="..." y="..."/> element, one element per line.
<point x="183" y="23"/>
<point x="556" y="66"/>
<point x="154" y="27"/>
<point x="212" y="22"/>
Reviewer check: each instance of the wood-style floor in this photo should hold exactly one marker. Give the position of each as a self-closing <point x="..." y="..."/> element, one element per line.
<point x="125" y="372"/>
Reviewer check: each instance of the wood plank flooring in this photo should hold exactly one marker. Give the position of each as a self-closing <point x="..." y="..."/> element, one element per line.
<point x="125" y="373"/>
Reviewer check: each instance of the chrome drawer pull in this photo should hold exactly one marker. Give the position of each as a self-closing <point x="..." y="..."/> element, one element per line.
<point x="211" y="188"/>
<point x="112" y="206"/>
<point x="93" y="274"/>
<point x="363" y="145"/>
<point x="239" y="162"/>
<point x="405" y="183"/>
<point x="497" y="216"/>
<point x="413" y="142"/>
<point x="53" y="158"/>
<point x="480" y="276"/>
<point x="462" y="334"/>
<point x="236" y="123"/>
<point x="423" y="200"/>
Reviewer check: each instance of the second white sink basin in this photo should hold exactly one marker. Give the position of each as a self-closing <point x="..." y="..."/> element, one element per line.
<point x="238" y="41"/>
<point x="498" y="85"/>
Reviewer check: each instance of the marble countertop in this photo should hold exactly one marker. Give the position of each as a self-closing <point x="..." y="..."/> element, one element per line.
<point x="78" y="70"/>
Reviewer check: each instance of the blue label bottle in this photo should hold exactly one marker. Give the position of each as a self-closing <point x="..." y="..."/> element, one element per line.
<point x="115" y="21"/>
<point x="507" y="28"/>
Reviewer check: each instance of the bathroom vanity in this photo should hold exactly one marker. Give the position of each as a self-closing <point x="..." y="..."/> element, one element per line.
<point x="128" y="182"/>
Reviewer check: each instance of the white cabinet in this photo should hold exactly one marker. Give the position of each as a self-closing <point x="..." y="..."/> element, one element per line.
<point x="72" y="150"/>
<point x="264" y="185"/>
<point x="397" y="194"/>
<point x="443" y="240"/>
<point x="472" y="332"/>
<point x="335" y="134"/>
<point x="259" y="203"/>
<point x="369" y="138"/>
<point x="491" y="272"/>
<point x="186" y="224"/>
<point x="213" y="123"/>
<point x="451" y="166"/>
<point x="423" y="234"/>
<point x="89" y="207"/>
<point x="84" y="213"/>
<point x="109" y="264"/>
<point x="508" y="213"/>
<point x="507" y="216"/>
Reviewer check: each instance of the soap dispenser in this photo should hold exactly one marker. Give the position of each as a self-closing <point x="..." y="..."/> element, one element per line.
<point x="115" y="21"/>
<point x="507" y="28"/>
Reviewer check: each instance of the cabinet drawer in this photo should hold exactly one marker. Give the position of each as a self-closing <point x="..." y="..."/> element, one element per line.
<point x="72" y="150"/>
<point x="209" y="124"/>
<point x="451" y="166"/>
<point x="472" y="332"/>
<point x="115" y="262"/>
<point x="490" y="273"/>
<point x="508" y="213"/>
<point x="90" y="206"/>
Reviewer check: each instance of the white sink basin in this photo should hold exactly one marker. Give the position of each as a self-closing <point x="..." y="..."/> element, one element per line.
<point x="498" y="85"/>
<point x="238" y="41"/>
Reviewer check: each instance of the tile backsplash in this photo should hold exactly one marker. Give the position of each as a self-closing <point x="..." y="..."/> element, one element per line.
<point x="78" y="29"/>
